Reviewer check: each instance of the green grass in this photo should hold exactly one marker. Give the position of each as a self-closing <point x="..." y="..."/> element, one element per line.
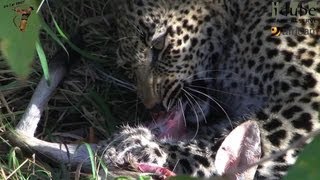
<point x="13" y="163"/>
<point x="86" y="99"/>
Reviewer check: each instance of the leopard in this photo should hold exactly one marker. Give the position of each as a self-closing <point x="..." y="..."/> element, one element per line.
<point x="215" y="64"/>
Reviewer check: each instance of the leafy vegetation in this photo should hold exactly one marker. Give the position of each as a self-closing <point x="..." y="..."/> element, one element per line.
<point x="79" y="104"/>
<point x="308" y="163"/>
<point x="18" y="35"/>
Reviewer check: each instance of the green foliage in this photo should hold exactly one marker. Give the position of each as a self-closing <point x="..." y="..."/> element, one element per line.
<point x="308" y="163"/>
<point x="43" y="61"/>
<point x="92" y="160"/>
<point x="22" y="168"/>
<point x="128" y="178"/>
<point x="14" y="161"/>
<point x="145" y="178"/>
<point x="18" y="47"/>
<point x="182" y="178"/>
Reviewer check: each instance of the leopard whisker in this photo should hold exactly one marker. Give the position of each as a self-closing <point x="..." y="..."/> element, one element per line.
<point x="132" y="25"/>
<point x="214" y="78"/>
<point x="206" y="71"/>
<point x="136" y="110"/>
<point x="134" y="105"/>
<point x="195" y="113"/>
<point x="219" y="91"/>
<point x="216" y="102"/>
<point x="176" y="165"/>
<point x="191" y="96"/>
<point x="182" y="109"/>
<point x="220" y="102"/>
<point x="169" y="104"/>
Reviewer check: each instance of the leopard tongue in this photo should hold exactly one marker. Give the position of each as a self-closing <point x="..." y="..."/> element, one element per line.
<point x="169" y="124"/>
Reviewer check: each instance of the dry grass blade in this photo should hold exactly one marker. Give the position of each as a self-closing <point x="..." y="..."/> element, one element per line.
<point x="18" y="168"/>
<point x="72" y="107"/>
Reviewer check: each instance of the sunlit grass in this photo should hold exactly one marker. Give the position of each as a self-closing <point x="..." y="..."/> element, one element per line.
<point x="87" y="98"/>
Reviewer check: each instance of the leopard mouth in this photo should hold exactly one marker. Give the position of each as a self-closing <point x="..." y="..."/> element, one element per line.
<point x="169" y="124"/>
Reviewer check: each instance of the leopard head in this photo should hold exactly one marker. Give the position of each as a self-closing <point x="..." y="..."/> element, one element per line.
<point x="168" y="46"/>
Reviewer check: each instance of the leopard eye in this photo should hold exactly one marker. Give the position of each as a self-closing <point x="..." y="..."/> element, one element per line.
<point x="158" y="43"/>
<point x="157" y="47"/>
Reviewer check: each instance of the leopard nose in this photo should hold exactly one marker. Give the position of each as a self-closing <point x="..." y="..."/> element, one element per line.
<point x="150" y="103"/>
<point x="157" y="108"/>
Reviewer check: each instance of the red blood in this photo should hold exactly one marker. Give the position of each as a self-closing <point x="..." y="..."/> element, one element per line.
<point x="155" y="169"/>
<point x="169" y="124"/>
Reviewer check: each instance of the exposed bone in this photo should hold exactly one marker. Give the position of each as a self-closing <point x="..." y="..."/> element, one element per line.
<point x="72" y="154"/>
<point x="30" y="119"/>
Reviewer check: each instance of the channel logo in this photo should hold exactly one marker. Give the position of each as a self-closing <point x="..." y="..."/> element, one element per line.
<point x="275" y="31"/>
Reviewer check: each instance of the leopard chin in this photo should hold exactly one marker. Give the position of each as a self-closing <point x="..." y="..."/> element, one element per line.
<point x="173" y="124"/>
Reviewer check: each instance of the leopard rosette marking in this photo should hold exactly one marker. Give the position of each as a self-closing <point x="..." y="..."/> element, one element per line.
<point x="209" y="60"/>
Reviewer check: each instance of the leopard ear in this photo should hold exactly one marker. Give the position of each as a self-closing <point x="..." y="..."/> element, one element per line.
<point x="240" y="149"/>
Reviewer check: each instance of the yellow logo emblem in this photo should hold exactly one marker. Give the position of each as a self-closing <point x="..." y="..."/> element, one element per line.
<point x="275" y="31"/>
